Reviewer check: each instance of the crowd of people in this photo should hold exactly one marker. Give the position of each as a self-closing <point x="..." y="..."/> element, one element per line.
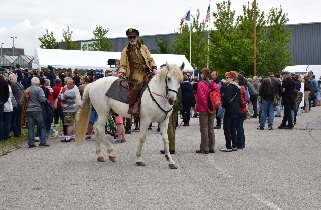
<point x="24" y="97"/>
<point x="64" y="92"/>
<point x="27" y="97"/>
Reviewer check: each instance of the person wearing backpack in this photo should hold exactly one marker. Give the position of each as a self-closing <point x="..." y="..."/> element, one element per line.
<point x="214" y="76"/>
<point x="269" y="87"/>
<point x="206" y="116"/>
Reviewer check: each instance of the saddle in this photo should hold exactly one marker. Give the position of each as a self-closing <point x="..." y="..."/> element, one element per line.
<point x="119" y="89"/>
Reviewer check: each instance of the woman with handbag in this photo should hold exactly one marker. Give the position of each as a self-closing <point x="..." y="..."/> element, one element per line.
<point x="206" y="117"/>
<point x="231" y="103"/>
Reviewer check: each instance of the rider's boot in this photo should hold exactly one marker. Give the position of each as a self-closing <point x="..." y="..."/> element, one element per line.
<point x="133" y="103"/>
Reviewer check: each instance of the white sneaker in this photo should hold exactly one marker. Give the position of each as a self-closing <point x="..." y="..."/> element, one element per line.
<point x="37" y="139"/>
<point x="55" y="134"/>
<point x="62" y="135"/>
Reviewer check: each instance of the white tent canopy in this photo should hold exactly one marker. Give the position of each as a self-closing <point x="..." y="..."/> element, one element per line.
<point x="77" y="59"/>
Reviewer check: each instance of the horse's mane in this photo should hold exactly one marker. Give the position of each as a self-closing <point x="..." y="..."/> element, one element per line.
<point x="173" y="70"/>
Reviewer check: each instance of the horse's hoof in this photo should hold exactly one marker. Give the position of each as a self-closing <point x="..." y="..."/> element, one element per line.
<point x="101" y="159"/>
<point x="112" y="159"/>
<point x="173" y="166"/>
<point x="140" y="164"/>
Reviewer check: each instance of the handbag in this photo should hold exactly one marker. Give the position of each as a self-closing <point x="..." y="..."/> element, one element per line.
<point x="56" y="100"/>
<point x="312" y="95"/>
<point x="276" y="99"/>
<point x="220" y="112"/>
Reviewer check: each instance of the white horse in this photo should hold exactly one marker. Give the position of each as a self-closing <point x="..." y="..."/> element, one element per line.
<point x="156" y="106"/>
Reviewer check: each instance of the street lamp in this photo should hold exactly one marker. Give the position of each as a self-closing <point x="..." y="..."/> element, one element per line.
<point x="13" y="37"/>
<point x="1" y="49"/>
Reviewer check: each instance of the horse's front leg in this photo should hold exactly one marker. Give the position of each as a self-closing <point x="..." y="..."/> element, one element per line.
<point x="142" y="139"/>
<point x="163" y="127"/>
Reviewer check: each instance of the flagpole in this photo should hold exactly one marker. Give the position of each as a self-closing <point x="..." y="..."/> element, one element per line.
<point x="254" y="37"/>
<point x="208" y="36"/>
<point x="190" y="39"/>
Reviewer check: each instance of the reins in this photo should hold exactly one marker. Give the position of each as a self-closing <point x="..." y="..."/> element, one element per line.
<point x="167" y="90"/>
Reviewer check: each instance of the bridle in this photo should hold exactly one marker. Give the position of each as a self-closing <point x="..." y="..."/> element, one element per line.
<point x="167" y="90"/>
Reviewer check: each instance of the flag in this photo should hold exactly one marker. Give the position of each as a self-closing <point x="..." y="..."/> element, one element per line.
<point x="208" y="14"/>
<point x="186" y="17"/>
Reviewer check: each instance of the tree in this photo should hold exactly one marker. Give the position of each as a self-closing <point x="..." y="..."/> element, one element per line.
<point x="232" y="41"/>
<point x="162" y="46"/>
<point x="48" y="41"/>
<point x="244" y="36"/>
<point x="223" y="40"/>
<point x="101" y="42"/>
<point x="67" y="41"/>
<point x="181" y="42"/>
<point x="275" y="47"/>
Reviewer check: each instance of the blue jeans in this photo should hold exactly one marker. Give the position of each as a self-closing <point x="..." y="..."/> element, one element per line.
<point x="16" y="120"/>
<point x="36" y="118"/>
<point x="315" y="100"/>
<point x="267" y="108"/>
<point x="253" y="100"/>
<point x="240" y="130"/>
<point x="279" y="107"/>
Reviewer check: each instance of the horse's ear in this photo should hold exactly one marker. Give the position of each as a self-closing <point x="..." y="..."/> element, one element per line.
<point x="167" y="66"/>
<point x="182" y="66"/>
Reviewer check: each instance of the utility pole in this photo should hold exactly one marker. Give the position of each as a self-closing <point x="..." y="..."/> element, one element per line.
<point x="13" y="37"/>
<point x="254" y="37"/>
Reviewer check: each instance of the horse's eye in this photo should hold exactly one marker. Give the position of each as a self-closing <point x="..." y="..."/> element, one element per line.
<point x="168" y="79"/>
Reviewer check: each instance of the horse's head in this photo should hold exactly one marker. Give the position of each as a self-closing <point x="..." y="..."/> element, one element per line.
<point x="173" y="77"/>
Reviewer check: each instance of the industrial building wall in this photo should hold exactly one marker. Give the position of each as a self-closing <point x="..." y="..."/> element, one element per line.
<point x="305" y="44"/>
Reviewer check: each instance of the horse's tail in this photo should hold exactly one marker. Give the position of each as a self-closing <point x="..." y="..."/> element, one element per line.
<point x="84" y="115"/>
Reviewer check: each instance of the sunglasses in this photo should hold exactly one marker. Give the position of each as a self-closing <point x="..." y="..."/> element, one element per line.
<point x="132" y="37"/>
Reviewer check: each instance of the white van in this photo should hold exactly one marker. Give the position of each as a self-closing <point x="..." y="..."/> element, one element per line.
<point x="305" y="69"/>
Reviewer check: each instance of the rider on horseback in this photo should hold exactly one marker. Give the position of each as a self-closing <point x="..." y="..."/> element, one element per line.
<point x="135" y="62"/>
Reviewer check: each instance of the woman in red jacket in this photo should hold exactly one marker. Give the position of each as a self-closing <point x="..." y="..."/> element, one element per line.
<point x="244" y="101"/>
<point x="206" y="119"/>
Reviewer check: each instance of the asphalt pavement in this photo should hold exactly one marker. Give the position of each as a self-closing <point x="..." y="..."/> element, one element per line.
<point x="278" y="169"/>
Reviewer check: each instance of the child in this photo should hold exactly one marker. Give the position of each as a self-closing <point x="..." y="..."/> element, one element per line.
<point x="120" y="129"/>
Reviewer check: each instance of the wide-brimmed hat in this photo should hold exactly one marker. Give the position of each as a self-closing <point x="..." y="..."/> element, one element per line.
<point x="132" y="32"/>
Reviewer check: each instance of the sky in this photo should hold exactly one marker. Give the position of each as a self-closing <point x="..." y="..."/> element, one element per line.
<point x="28" y="19"/>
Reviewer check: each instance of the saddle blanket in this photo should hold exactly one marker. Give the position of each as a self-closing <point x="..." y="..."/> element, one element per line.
<point x="118" y="92"/>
